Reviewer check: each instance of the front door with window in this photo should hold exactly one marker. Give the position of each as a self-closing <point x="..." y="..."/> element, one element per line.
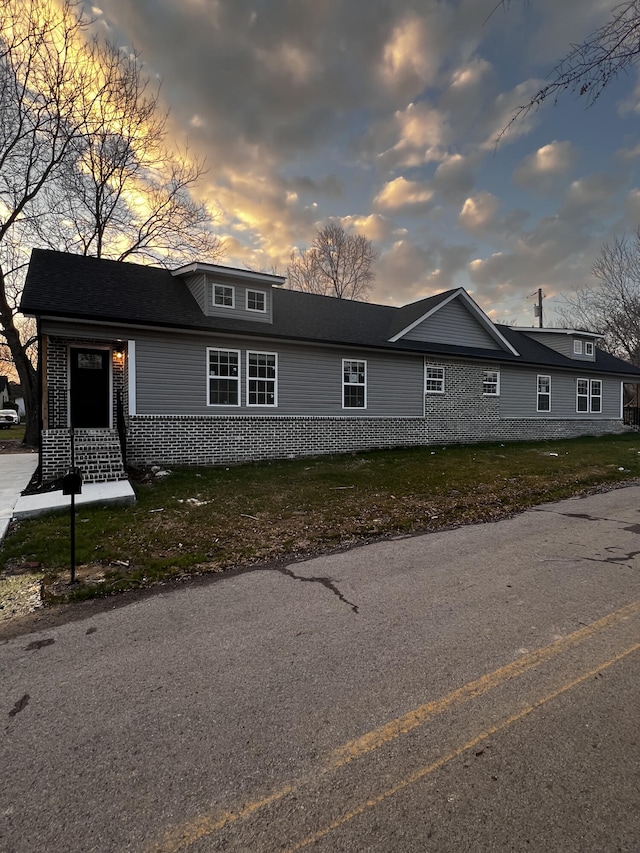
<point x="90" y="387"/>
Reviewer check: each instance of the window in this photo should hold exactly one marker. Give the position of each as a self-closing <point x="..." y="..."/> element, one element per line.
<point x="262" y="377"/>
<point x="491" y="382"/>
<point x="223" y="296"/>
<point x="354" y="384"/>
<point x="577" y="347"/>
<point x="434" y="380"/>
<point x="256" y="301"/>
<point x="589" y="395"/>
<point x="588" y="348"/>
<point x="224" y="377"/>
<point x="582" y="395"/>
<point x="544" y="393"/>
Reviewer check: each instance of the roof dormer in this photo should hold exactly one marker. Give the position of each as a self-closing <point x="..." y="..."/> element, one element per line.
<point x="230" y="292"/>
<point x="576" y="344"/>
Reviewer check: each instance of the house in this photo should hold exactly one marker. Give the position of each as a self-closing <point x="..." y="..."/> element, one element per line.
<point x="212" y="365"/>
<point x="4" y="391"/>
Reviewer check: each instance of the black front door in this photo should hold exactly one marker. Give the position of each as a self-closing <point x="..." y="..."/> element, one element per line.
<point x="89" y="387"/>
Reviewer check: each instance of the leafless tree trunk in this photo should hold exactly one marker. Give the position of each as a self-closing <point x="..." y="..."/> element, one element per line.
<point x="336" y="264"/>
<point x="83" y="160"/>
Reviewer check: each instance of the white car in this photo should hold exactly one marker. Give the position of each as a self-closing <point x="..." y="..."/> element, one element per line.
<point x="8" y="418"/>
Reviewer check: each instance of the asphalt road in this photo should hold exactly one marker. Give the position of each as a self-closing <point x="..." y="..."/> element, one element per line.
<point x="475" y="689"/>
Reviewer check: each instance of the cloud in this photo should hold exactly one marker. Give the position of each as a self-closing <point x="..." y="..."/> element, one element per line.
<point x="542" y="171"/>
<point x="401" y="193"/>
<point x="454" y="178"/>
<point x="479" y="213"/>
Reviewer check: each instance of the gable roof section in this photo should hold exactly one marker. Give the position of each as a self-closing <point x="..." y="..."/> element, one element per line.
<point x="419" y="316"/>
<point x="78" y="288"/>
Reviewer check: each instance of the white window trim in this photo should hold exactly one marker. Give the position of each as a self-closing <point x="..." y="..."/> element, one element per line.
<point x="275" y="381"/>
<point x="577" y="347"/>
<point x="356" y="384"/>
<point x="538" y="392"/>
<point x="226" y="287"/>
<point x="586" y="396"/>
<point x="264" y="301"/>
<point x="495" y="393"/>
<point x="433" y="379"/>
<point x="588" y="348"/>
<point x="209" y="377"/>
<point x="592" y="395"/>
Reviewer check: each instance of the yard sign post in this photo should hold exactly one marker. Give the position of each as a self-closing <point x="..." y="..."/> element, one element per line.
<point x="72" y="485"/>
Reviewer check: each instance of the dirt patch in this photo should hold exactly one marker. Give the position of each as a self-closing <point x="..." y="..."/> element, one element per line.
<point x="14" y="445"/>
<point x="19" y="594"/>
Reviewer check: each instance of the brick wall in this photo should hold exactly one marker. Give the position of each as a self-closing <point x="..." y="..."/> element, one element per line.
<point x="202" y="440"/>
<point x="96" y="453"/>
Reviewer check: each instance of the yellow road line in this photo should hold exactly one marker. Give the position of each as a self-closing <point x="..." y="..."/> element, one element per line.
<point x="425" y="771"/>
<point x="187" y="833"/>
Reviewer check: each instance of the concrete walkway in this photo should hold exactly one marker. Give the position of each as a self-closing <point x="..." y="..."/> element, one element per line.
<point x="16" y="469"/>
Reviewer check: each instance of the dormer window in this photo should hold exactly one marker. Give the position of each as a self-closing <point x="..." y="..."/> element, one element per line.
<point x="588" y="348"/>
<point x="223" y="296"/>
<point x="256" y="301"/>
<point x="577" y="347"/>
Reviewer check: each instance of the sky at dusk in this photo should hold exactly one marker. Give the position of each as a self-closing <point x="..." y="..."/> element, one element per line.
<point x="383" y="115"/>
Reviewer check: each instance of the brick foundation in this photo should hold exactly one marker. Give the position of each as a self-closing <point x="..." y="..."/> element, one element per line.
<point x="202" y="440"/>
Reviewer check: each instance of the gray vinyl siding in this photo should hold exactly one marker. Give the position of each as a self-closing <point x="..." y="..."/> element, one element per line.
<point x="562" y="344"/>
<point x="196" y="284"/>
<point x="519" y="390"/>
<point x="171" y="373"/>
<point x="239" y="311"/>
<point x="453" y="324"/>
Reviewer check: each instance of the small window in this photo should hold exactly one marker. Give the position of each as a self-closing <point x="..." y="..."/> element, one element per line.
<point x="434" y="380"/>
<point x="588" y="348"/>
<point x="354" y="384"/>
<point x="582" y="395"/>
<point x="577" y="347"/>
<point x="544" y="393"/>
<point x="223" y="296"/>
<point x="262" y="378"/>
<point x="491" y="382"/>
<point x="596" y="395"/>
<point x="256" y="301"/>
<point x="224" y="377"/>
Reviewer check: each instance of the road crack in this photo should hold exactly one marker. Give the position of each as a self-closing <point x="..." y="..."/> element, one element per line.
<point x="326" y="582"/>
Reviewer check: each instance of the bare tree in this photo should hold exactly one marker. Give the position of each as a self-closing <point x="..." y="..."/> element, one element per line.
<point x="84" y="163"/>
<point x="612" y="307"/>
<point x="336" y="264"/>
<point x="123" y="192"/>
<point x="591" y="65"/>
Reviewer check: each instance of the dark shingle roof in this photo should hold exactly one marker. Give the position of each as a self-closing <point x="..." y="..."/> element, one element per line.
<point x="77" y="287"/>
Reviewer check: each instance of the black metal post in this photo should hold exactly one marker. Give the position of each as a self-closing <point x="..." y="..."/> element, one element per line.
<point x="73" y="512"/>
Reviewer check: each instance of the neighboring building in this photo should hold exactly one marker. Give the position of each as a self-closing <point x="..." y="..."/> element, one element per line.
<point x="212" y="365"/>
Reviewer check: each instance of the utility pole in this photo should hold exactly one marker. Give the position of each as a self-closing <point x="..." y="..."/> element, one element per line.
<point x="537" y="309"/>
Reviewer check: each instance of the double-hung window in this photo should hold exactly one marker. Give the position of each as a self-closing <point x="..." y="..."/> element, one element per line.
<point x="582" y="395"/>
<point x="589" y="395"/>
<point x="491" y="383"/>
<point x="256" y="301"/>
<point x="577" y="347"/>
<point x="224" y="377"/>
<point x="544" y="393"/>
<point x="262" y="379"/>
<point x="223" y="296"/>
<point x="588" y="348"/>
<point x="354" y="384"/>
<point x="434" y="379"/>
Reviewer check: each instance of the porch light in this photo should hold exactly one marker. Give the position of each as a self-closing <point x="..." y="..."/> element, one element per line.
<point x="118" y="352"/>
